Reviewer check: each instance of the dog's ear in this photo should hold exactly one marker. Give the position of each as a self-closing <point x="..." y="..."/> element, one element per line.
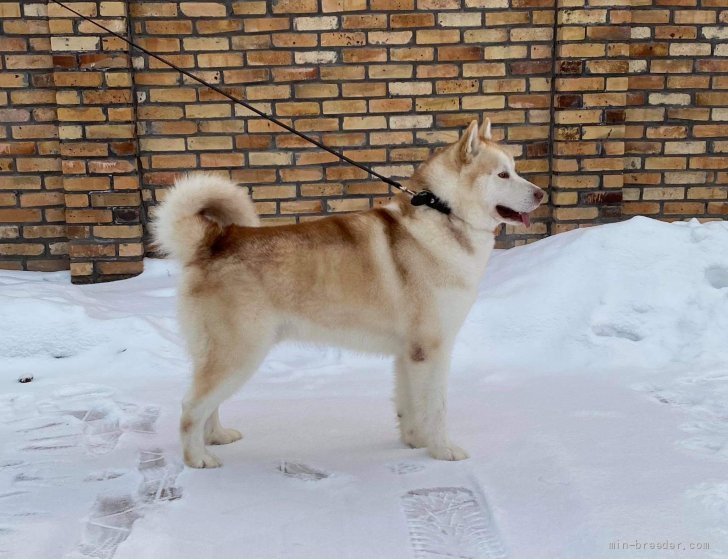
<point x="470" y="143"/>
<point x="485" y="130"/>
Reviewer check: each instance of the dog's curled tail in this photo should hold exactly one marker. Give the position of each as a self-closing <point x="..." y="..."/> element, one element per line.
<point x="195" y="210"/>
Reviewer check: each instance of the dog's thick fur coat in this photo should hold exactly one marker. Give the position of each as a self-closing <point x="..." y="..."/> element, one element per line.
<point x="395" y="280"/>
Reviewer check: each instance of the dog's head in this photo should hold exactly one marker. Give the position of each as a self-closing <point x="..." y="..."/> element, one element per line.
<point x="478" y="179"/>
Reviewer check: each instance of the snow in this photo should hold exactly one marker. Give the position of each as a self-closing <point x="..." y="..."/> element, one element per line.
<point x="590" y="385"/>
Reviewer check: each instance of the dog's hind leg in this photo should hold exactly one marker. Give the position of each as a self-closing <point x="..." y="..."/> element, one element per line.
<point x="216" y="378"/>
<point x="215" y="433"/>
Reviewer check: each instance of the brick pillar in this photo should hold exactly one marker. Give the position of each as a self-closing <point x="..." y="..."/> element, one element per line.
<point x="590" y="93"/>
<point x="32" y="229"/>
<point x="96" y="126"/>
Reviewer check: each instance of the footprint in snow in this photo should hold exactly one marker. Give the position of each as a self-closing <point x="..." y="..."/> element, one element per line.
<point x="144" y="421"/>
<point x="109" y="524"/>
<point x="112" y="517"/>
<point x="159" y="478"/>
<point x="616" y="331"/>
<point x="96" y="429"/>
<point x="14" y="506"/>
<point x="301" y="471"/>
<point x="41" y="474"/>
<point x="10" y="494"/>
<point x="83" y="390"/>
<point x="450" y="522"/>
<point x="88" y="417"/>
<point x="717" y="277"/>
<point x="104" y="475"/>
<point x="403" y="468"/>
<point x="14" y="407"/>
<point x="704" y="399"/>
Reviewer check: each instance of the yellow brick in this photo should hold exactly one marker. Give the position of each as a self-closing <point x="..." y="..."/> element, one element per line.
<point x="121" y="268"/>
<point x="483" y="102"/>
<point x="573" y="214"/>
<point x="343" y="5"/>
<point x="220" y="60"/>
<point x="501" y="53"/>
<point x="706" y="192"/>
<point x="10" y="9"/>
<point x="210" y="143"/>
<point x="203" y="9"/>
<point x="437" y="104"/>
<point x="61" y="44"/>
<point x="117" y="231"/>
<point x="443" y="36"/>
<point x="81" y="269"/>
<point x="112" y="9"/>
<point x="301" y="206"/>
<point x="294" y="6"/>
<point x="344" y="107"/>
<point x="348" y="205"/>
<point x="206" y="43"/>
<point x="582" y="16"/>
<point x="391" y="71"/>
<point x="210" y="110"/>
<point x="247" y="7"/>
<point x="564" y="198"/>
<point x="258" y="92"/>
<point x="364" y="123"/>
<point x="263" y="158"/>
<point x="304" y="91"/>
<point x="582" y="50"/>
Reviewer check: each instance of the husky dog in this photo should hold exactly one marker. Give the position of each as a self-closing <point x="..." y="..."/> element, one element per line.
<point x="396" y="280"/>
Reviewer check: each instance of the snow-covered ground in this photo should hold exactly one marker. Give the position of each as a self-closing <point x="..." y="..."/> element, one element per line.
<point x="590" y="385"/>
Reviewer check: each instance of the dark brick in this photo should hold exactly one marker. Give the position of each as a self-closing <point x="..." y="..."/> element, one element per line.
<point x="540" y="149"/>
<point x="570" y="67"/>
<point x="568" y="101"/>
<point x="603" y="198"/>
<point x="531" y="67"/>
<point x="614" y="116"/>
<point x="126" y="215"/>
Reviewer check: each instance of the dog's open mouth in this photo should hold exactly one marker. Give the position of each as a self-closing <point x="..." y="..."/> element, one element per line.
<point x="513" y="215"/>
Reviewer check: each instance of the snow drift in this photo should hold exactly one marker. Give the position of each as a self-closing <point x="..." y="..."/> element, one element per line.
<point x="640" y="293"/>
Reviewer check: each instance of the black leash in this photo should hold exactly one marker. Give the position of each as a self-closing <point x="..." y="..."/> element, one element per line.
<point x="424" y="197"/>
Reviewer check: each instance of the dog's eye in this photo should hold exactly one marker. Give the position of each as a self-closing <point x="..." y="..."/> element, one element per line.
<point x="504" y="175"/>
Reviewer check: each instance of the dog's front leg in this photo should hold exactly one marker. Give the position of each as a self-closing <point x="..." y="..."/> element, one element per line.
<point x="410" y="428"/>
<point x="428" y="386"/>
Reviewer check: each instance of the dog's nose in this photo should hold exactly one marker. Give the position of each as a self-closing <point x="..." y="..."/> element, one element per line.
<point x="538" y="195"/>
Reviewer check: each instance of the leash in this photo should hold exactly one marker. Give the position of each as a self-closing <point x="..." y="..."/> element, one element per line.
<point x="422" y="198"/>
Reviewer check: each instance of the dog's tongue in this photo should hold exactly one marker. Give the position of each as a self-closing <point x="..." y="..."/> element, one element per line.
<point x="525" y="219"/>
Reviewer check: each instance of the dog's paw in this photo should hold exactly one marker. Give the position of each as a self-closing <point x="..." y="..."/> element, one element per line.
<point x="412" y="438"/>
<point x="449" y="451"/>
<point x="205" y="460"/>
<point x="223" y="436"/>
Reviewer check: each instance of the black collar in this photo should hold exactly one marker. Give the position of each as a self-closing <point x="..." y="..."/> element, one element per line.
<point x="427" y="198"/>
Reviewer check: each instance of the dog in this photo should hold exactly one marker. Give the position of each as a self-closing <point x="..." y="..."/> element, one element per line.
<point x="396" y="280"/>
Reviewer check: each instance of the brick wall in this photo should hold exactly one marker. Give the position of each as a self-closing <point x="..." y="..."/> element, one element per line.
<point x="383" y="81"/>
<point x="677" y="144"/>
<point x="633" y="112"/>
